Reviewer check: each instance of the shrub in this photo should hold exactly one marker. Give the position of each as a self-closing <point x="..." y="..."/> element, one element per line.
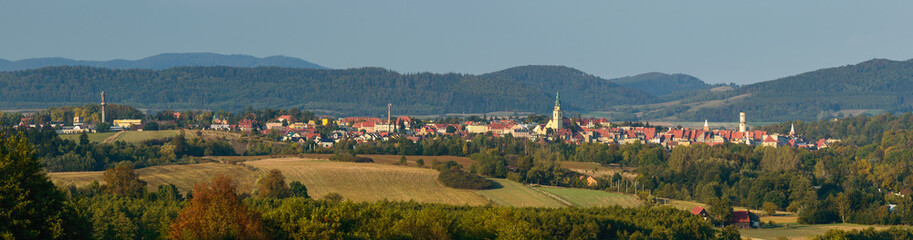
<point x="463" y="180"/>
<point x="349" y="158"/>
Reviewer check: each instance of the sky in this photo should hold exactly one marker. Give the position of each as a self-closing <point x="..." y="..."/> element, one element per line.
<point x="717" y="41"/>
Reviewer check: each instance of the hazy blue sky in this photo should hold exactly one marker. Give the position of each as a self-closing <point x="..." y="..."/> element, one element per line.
<point x="718" y="41"/>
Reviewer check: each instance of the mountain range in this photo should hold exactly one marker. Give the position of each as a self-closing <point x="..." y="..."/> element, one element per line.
<point x="870" y="87"/>
<point x="163" y="61"/>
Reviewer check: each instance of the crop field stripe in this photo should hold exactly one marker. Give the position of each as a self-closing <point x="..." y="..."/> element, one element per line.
<point x="517" y="195"/>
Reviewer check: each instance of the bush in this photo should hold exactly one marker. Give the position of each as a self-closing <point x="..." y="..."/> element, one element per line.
<point x="463" y="180"/>
<point x="350" y="158"/>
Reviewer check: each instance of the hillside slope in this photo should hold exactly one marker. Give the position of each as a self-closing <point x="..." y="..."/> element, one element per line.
<point x="661" y="84"/>
<point x="362" y="91"/>
<point x="163" y="61"/>
<point x="579" y="90"/>
<point x="877" y="85"/>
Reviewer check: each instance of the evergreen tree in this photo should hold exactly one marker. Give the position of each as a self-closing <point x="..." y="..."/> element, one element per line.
<point x="30" y="206"/>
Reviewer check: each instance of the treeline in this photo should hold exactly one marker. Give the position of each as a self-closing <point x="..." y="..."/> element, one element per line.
<point x="362" y="91"/>
<point x="59" y="155"/>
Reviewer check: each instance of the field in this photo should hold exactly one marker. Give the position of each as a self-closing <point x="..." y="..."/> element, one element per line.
<point x="597" y="170"/>
<point x="93" y="137"/>
<point x="128" y="136"/>
<point x="182" y="176"/>
<point x="369" y="182"/>
<point x="510" y="193"/>
<point x="590" y="198"/>
<point x="140" y="136"/>
<point x="801" y="231"/>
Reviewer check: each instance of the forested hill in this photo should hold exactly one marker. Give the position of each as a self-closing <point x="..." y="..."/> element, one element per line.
<point x="163" y="61"/>
<point x="660" y="84"/>
<point x="874" y="86"/>
<point x="579" y="90"/>
<point x="362" y="91"/>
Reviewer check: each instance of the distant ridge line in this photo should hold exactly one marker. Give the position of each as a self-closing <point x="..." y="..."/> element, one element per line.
<point x="164" y="61"/>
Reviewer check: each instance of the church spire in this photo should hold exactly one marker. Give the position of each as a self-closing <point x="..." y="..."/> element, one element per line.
<point x="792" y="129"/>
<point x="557" y="100"/>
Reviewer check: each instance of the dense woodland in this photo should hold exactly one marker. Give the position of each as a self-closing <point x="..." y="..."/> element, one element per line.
<point x="362" y="91"/>
<point x="869" y="87"/>
<point x="879" y="84"/>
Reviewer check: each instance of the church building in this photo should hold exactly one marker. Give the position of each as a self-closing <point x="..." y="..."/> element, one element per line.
<point x="557" y="121"/>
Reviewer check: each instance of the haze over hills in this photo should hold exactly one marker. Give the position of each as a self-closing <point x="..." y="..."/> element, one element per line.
<point x="163" y="61"/>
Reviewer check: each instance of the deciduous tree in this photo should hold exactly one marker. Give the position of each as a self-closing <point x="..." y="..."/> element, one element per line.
<point x="216" y="212"/>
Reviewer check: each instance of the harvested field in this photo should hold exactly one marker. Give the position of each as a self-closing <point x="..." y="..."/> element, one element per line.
<point x="369" y="182"/>
<point x="182" y="176"/>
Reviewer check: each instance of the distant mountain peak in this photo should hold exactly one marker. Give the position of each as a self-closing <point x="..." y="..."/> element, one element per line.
<point x="165" y="60"/>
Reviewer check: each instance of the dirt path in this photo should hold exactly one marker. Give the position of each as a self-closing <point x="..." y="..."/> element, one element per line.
<point x="112" y="137"/>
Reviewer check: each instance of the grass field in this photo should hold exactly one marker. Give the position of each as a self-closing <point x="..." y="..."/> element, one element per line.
<point x="182" y="176"/>
<point x="140" y="136"/>
<point x="369" y="182"/>
<point x="597" y="170"/>
<point x="801" y="231"/>
<point x="591" y="198"/>
<point x="93" y="137"/>
<point x="510" y="193"/>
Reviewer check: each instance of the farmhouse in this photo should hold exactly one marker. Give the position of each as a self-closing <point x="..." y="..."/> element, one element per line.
<point x="745" y="219"/>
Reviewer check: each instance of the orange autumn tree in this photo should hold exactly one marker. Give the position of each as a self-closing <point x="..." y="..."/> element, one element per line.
<point x="216" y="212"/>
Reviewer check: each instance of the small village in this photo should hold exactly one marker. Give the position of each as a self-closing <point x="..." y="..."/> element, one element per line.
<point x="558" y="128"/>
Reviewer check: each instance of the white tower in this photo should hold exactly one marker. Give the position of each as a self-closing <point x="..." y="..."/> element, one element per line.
<point x="742" y="127"/>
<point x="103" y="106"/>
<point x="706" y="125"/>
<point x="792" y="130"/>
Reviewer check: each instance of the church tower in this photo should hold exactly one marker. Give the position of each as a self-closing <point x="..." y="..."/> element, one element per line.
<point x="557" y="121"/>
<point x="742" y="125"/>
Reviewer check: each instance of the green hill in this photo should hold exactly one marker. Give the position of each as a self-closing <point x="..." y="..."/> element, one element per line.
<point x="580" y="91"/>
<point x="877" y="85"/>
<point x="661" y="84"/>
<point x="361" y="91"/>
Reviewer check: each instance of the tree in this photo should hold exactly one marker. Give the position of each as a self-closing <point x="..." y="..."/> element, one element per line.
<point x="102" y="127"/>
<point x="273" y="185"/>
<point x="168" y="192"/>
<point x="123" y="181"/>
<point x="721" y="209"/>
<point x="83" y="139"/>
<point x="31" y="207"/>
<point x="769" y="208"/>
<point x="298" y="190"/>
<point x="450" y="129"/>
<point x="216" y="212"/>
<point x="420" y="162"/>
<point x="333" y="197"/>
<point x="402" y="160"/>
<point x="151" y="126"/>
